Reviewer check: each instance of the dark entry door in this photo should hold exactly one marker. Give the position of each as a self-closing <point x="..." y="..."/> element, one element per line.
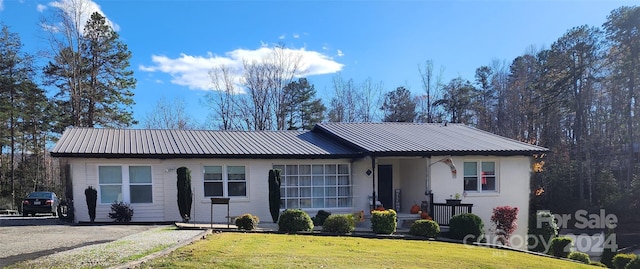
<point x="385" y="185"/>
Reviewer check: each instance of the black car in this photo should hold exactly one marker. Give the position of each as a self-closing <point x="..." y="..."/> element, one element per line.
<point x="40" y="202"/>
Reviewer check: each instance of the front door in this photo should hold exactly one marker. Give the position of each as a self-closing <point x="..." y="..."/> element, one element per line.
<point x="385" y="185"/>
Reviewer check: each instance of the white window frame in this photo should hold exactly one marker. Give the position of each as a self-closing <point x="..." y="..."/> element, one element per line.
<point x="293" y="189"/>
<point x="479" y="176"/>
<point x="125" y="184"/>
<point x="225" y="180"/>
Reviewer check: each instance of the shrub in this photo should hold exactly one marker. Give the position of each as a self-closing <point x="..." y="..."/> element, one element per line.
<point x="426" y="228"/>
<point x="561" y="246"/>
<point x="340" y="223"/>
<point x="504" y="219"/>
<point x="467" y="227"/>
<point x="185" y="197"/>
<point x="598" y="264"/>
<point x="542" y="228"/>
<point x="320" y="217"/>
<point x="121" y="212"/>
<point x="622" y="259"/>
<point x="247" y="222"/>
<point x="294" y="220"/>
<point x="579" y="256"/>
<point x="274" y="194"/>
<point x="91" y="196"/>
<point x="383" y="222"/>
<point x="633" y="264"/>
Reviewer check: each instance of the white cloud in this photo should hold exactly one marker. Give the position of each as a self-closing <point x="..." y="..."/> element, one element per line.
<point x="193" y="71"/>
<point x="1" y="5"/>
<point x="340" y="54"/>
<point x="296" y="36"/>
<point x="82" y="7"/>
<point x="283" y="36"/>
<point x="41" y="8"/>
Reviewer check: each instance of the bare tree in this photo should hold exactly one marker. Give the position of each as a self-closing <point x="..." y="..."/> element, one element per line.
<point x="223" y="100"/>
<point x="263" y="103"/>
<point x="431" y="85"/>
<point x="66" y="40"/>
<point x="343" y="104"/>
<point x="283" y="65"/>
<point x="257" y="105"/>
<point x="369" y="101"/>
<point x="169" y="115"/>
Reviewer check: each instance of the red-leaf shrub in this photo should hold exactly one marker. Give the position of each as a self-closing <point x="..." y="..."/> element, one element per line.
<point x="504" y="218"/>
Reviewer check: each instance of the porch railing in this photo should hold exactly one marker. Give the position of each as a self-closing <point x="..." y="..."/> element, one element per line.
<point x="442" y="213"/>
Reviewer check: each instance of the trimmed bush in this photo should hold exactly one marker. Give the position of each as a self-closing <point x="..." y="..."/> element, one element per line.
<point x="384" y="222"/>
<point x="425" y="228"/>
<point x="320" y="217"/>
<point x="247" y="222"/>
<point x="274" y="194"/>
<point x="467" y="227"/>
<point x="91" y="196"/>
<point x="598" y="264"/>
<point x="579" y="256"/>
<point x="633" y="264"/>
<point x="340" y="223"/>
<point x="185" y="197"/>
<point x="294" y="220"/>
<point x="548" y="230"/>
<point x="561" y="246"/>
<point x="121" y="212"/>
<point x="621" y="260"/>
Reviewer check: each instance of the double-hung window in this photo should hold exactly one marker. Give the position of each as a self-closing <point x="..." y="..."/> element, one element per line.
<point x="225" y="181"/>
<point x="130" y="184"/>
<point x="480" y="176"/>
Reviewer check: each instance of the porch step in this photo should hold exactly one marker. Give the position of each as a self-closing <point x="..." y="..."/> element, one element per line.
<point x="405" y="220"/>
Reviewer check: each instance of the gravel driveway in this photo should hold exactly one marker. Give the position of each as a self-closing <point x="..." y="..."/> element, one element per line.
<point x="29" y="238"/>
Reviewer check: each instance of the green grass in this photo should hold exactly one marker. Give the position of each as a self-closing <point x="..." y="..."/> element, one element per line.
<point x="256" y="250"/>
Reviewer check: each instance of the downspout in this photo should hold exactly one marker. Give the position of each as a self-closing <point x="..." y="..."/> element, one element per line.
<point x="427" y="189"/>
<point x="373" y="181"/>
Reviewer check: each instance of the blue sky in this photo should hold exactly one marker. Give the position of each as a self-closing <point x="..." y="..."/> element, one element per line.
<point x="175" y="42"/>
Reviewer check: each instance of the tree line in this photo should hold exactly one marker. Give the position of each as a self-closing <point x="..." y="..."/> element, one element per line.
<point x="89" y="82"/>
<point x="577" y="98"/>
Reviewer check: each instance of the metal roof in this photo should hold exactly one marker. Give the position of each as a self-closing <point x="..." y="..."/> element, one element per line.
<point x="326" y="140"/>
<point x="153" y="143"/>
<point x="394" y="139"/>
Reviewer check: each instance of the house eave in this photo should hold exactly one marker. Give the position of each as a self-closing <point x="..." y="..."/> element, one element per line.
<point x="452" y="153"/>
<point x="205" y="156"/>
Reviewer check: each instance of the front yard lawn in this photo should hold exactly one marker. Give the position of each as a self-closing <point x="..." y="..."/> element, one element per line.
<point x="258" y="250"/>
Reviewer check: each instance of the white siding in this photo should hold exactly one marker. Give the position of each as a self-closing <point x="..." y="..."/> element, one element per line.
<point x="409" y="175"/>
<point x="165" y="208"/>
<point x="85" y="173"/>
<point x="514" y="175"/>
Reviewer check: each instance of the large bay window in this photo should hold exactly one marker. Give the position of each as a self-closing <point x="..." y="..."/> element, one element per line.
<point x="225" y="181"/>
<point x="130" y="184"/>
<point x="480" y="176"/>
<point x="315" y="185"/>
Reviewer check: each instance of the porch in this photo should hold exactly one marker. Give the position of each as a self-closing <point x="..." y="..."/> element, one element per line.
<point x="441" y="213"/>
